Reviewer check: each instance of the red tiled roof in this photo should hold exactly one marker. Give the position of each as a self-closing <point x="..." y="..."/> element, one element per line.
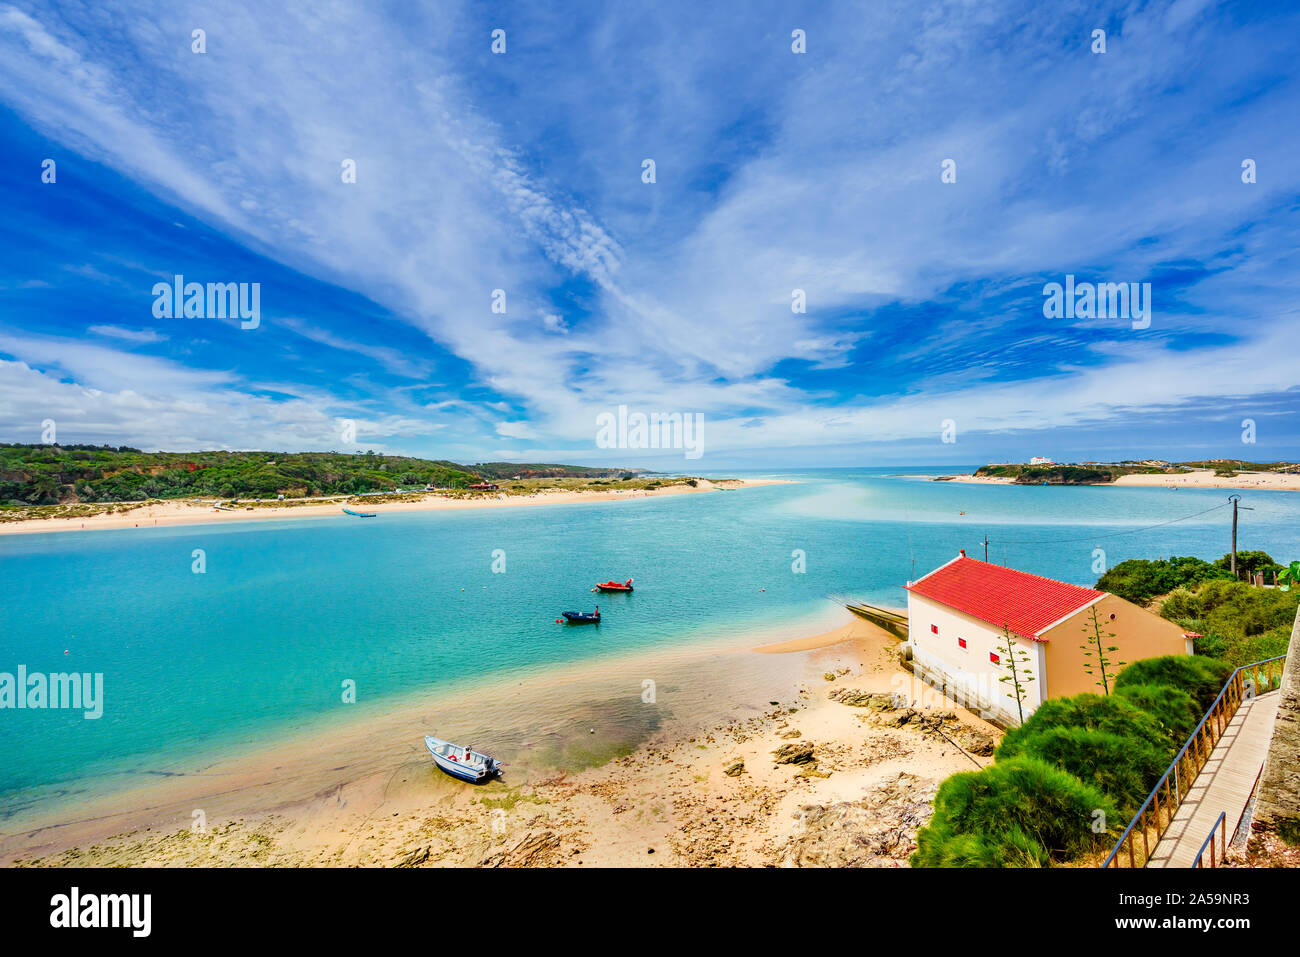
<point x="1023" y="602"/>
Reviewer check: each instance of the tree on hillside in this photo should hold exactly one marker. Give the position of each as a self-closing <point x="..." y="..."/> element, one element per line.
<point x="1250" y="563"/>
<point x="1139" y="580"/>
<point x="1094" y="645"/>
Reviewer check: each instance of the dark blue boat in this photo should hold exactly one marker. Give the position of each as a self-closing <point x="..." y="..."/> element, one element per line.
<point x="583" y="617"/>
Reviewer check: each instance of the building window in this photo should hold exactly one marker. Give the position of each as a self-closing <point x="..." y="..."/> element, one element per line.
<point x="961" y="642"/>
<point x="934" y="629"/>
<point x="994" y="658"/>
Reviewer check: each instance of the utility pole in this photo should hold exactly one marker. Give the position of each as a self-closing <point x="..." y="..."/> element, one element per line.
<point x="1234" y="499"/>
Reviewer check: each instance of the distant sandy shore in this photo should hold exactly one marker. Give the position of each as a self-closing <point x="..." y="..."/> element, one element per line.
<point x="1198" y="478"/>
<point x="185" y="512"/>
<point x="1205" y="478"/>
<point x="719" y="795"/>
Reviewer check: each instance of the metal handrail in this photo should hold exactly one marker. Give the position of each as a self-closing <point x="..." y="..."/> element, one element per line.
<point x="1218" y="726"/>
<point x="1209" y="840"/>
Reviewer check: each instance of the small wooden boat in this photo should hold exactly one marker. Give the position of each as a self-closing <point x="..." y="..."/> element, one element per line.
<point x="460" y="762"/>
<point x="349" y="511"/>
<point x="614" y="586"/>
<point x="583" y="617"/>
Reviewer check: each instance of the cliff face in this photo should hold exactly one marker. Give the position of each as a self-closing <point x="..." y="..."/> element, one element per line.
<point x="1277" y="806"/>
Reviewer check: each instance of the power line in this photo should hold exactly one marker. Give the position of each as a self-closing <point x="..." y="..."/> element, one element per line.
<point x="1130" y="531"/>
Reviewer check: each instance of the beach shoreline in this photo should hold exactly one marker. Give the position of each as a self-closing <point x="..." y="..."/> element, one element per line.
<point x="1197" y="478"/>
<point x="368" y="796"/>
<point x="170" y="513"/>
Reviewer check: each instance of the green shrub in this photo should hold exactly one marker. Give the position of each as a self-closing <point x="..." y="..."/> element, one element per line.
<point x="1138" y="580"/>
<point x="1109" y="713"/>
<point x="1238" y="622"/>
<point x="1021" y="811"/>
<point x="1248" y="563"/>
<point x="1122" y="768"/>
<point x="937" y="847"/>
<point x="1173" y="708"/>
<point x="1182" y="605"/>
<point x="1200" y="677"/>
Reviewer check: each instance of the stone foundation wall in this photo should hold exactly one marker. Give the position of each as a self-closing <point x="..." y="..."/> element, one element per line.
<point x="1277" y="805"/>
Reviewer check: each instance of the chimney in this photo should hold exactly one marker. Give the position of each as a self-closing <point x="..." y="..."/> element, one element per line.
<point x="963" y="553"/>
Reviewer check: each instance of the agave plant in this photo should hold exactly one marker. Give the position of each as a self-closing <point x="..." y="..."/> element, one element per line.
<point x="1289" y="576"/>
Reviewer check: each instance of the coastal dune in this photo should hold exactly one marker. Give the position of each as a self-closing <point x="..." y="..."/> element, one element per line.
<point x="1197" y="478"/>
<point x="161" y="514"/>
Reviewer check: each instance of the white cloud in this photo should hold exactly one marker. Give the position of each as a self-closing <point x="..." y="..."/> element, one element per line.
<point x="849" y="208"/>
<point x="130" y="335"/>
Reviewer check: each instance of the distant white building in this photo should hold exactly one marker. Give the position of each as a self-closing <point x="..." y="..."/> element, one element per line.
<point x="1041" y="460"/>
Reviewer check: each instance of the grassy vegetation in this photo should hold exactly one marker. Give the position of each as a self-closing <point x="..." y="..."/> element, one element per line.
<point x="18" y="512"/>
<point x="1239" y="465"/>
<point x="1172" y="708"/>
<point x="1102" y="473"/>
<point x="1091" y="474"/>
<point x="76" y="475"/>
<point x="1139" y="580"/>
<point x="1038" y="803"/>
<point x="1237" y="622"/>
<point x="1021" y="812"/>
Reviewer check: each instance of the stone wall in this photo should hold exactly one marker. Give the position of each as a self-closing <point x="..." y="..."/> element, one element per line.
<point x="1277" y="806"/>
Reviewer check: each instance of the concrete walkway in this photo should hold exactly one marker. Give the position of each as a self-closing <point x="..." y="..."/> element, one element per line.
<point x="1224" y="784"/>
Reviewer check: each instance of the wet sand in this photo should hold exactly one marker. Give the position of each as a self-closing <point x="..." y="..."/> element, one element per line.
<point x="597" y="775"/>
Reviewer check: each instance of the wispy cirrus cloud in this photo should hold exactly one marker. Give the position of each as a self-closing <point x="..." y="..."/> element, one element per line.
<point x="776" y="173"/>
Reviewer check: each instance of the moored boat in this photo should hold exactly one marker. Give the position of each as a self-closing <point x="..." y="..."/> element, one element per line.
<point x="583" y="617"/>
<point x="461" y="762"/>
<point x="614" y="586"/>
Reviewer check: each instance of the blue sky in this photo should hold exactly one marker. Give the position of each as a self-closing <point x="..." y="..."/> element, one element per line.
<point x="774" y="170"/>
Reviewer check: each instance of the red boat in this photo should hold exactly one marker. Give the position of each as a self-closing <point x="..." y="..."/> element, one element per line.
<point x="614" y="586"/>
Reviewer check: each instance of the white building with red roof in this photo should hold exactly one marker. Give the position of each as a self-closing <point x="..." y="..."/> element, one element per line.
<point x="971" y="622"/>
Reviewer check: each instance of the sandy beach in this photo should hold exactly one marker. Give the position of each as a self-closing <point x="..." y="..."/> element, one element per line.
<point x="1205" y="478"/>
<point x="1197" y="478"/>
<point x="836" y="769"/>
<point x="160" y="514"/>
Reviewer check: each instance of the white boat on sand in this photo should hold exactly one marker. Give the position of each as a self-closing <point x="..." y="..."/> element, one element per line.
<point x="461" y="762"/>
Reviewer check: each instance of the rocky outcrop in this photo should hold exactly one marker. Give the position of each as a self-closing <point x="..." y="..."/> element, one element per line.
<point x="799" y="752"/>
<point x="535" y="849"/>
<point x="876" y="700"/>
<point x="888" y="710"/>
<point x="877" y="831"/>
<point x="735" y="769"/>
<point x="415" y="858"/>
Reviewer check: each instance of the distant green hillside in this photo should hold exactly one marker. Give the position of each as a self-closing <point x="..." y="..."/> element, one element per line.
<point x="1101" y="473"/>
<point x="495" y="471"/>
<point x="54" y="474"/>
<point x="1092" y="474"/>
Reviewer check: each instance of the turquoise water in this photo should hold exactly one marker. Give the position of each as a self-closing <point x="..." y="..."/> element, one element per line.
<point x="404" y="603"/>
